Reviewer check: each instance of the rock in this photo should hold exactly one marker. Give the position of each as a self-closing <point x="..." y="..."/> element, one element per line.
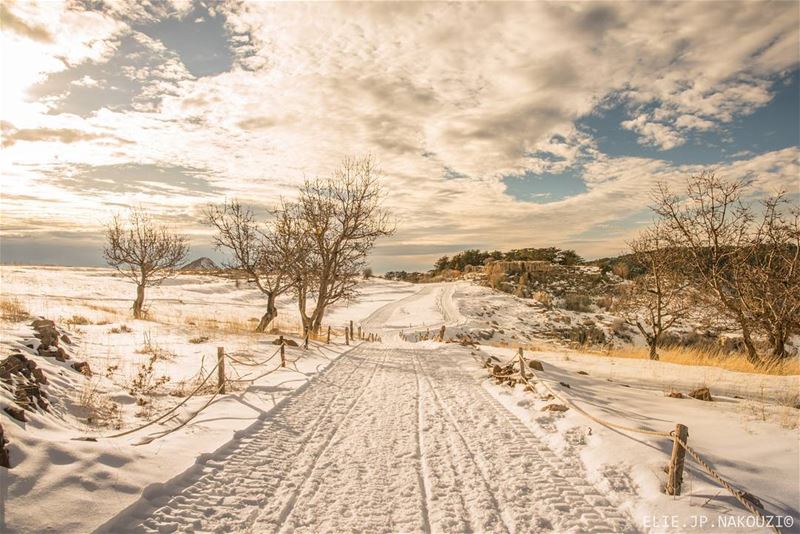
<point x="565" y="385"/>
<point x="54" y="352"/>
<point x="83" y="368"/>
<point x="65" y="338"/>
<point x="583" y="373"/>
<point x="37" y="373"/>
<point x="5" y="461"/>
<point x="536" y="365"/>
<point x="555" y="408"/>
<point x="39" y="323"/>
<point x="702" y="394"/>
<point x="16" y="363"/>
<point x="675" y="394"/>
<point x="48" y="335"/>
<point x="16" y="413"/>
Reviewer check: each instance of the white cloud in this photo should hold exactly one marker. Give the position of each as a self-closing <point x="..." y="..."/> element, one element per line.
<point x="484" y="89"/>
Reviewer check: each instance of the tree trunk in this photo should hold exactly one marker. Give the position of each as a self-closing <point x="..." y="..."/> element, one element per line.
<point x="316" y="324"/>
<point x="653" y="343"/>
<point x="778" y="339"/>
<point x="269" y="316"/>
<point x="138" y="304"/>
<point x="752" y="355"/>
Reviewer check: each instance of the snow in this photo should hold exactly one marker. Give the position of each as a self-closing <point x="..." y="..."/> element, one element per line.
<point x="381" y="436"/>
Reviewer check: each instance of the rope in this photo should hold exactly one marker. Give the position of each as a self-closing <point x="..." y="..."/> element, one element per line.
<point x="253" y="364"/>
<point x="605" y="423"/>
<point x="151" y="439"/>
<point x="162" y="416"/>
<point x="737" y="494"/>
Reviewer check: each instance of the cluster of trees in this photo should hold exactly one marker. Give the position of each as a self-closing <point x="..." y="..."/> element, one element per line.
<point x="477" y="257"/>
<point x="314" y="247"/>
<point x="709" y="247"/>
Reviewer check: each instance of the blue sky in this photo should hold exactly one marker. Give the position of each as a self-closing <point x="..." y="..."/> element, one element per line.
<point x="496" y="125"/>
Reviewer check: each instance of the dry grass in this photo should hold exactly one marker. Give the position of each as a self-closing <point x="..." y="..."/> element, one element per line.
<point x="100" y="410"/>
<point x="712" y="358"/>
<point x="13" y="310"/>
<point x="78" y="320"/>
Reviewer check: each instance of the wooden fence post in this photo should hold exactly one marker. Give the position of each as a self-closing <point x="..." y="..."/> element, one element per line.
<point x="441" y="333"/>
<point x="283" y="352"/>
<point x="346" y="335"/>
<point x="522" y="370"/>
<point x="221" y="369"/>
<point x="359" y="332"/>
<point x="351" y="330"/>
<point x="328" y="339"/>
<point x="675" y="474"/>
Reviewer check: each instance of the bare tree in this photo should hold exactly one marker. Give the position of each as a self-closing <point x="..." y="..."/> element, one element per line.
<point x="712" y="224"/>
<point x="770" y="273"/>
<point x="143" y="251"/>
<point x="342" y="217"/>
<point x="656" y="300"/>
<point x="750" y="267"/>
<point x="253" y="251"/>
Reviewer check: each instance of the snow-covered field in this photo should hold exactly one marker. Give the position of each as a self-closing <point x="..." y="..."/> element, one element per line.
<point x="393" y="436"/>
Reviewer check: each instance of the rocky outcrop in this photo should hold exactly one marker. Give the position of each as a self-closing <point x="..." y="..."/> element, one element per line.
<point x="49" y="336"/>
<point x="25" y="380"/>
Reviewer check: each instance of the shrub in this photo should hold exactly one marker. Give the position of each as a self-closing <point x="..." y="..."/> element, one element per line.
<point x="587" y="335"/>
<point x="146" y="382"/>
<point x="543" y="298"/>
<point x="577" y="302"/>
<point x="199" y="339"/>
<point x="121" y="329"/>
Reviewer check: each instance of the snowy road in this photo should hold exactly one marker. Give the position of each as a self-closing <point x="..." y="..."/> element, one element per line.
<point x="384" y="440"/>
<point x="432" y="306"/>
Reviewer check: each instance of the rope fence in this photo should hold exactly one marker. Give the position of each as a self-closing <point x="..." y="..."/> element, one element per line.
<point x="235" y="359"/>
<point x="507" y="372"/>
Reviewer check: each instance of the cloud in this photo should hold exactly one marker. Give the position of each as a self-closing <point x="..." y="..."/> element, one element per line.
<point x="19" y="26"/>
<point x="654" y="133"/>
<point x="449" y="98"/>
<point x="12" y="135"/>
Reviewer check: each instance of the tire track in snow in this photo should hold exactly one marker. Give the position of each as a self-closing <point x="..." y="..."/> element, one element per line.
<point x="367" y="478"/>
<point x="537" y="489"/>
<point x="232" y="487"/>
<point x="386" y="440"/>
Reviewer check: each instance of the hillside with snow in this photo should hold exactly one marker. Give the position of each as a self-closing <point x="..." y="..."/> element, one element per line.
<point x="402" y="433"/>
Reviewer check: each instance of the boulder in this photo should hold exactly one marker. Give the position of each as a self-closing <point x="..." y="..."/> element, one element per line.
<point x="14" y="364"/>
<point x="39" y="323"/>
<point x="65" y="338"/>
<point x="83" y="368"/>
<point x="48" y="335"/>
<point x="54" y="352"/>
<point x="536" y="365"/>
<point x="565" y="385"/>
<point x="16" y="413"/>
<point x="702" y="394"/>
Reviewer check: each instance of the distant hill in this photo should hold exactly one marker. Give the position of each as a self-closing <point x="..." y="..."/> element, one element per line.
<point x="201" y="264"/>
